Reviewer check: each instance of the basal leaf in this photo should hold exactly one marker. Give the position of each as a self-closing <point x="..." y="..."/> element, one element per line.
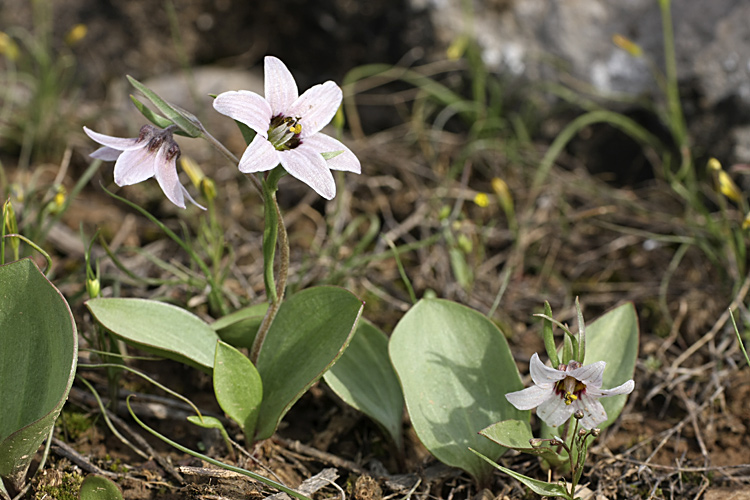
<point x="364" y="378"/>
<point x="237" y="386"/>
<point x="455" y="369"/>
<point x="309" y="333"/>
<point x="239" y="328"/>
<point x="158" y="328"/>
<point x="38" y="355"/>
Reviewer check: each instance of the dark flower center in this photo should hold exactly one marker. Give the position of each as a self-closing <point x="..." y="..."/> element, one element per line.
<point x="284" y="131"/>
<point x="569" y="389"/>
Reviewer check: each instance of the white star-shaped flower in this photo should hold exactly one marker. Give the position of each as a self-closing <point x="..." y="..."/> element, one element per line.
<point x="152" y="154"/>
<point x="558" y="393"/>
<point x="288" y="128"/>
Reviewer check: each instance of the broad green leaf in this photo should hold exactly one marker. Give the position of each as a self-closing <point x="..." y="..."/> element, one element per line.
<point x="612" y="338"/>
<point x="184" y="120"/>
<point x="237" y="386"/>
<point x="539" y="487"/>
<point x="516" y="434"/>
<point x="158" y="328"/>
<point x="455" y="369"/>
<point x="309" y="333"/>
<point x="99" y="488"/>
<point x="239" y="328"/>
<point x="364" y="378"/>
<point x="38" y="355"/>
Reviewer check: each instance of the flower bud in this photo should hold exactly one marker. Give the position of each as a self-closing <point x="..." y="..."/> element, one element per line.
<point x="578" y="414"/>
<point x="93" y="287"/>
<point x="627" y="45"/>
<point x="76" y="34"/>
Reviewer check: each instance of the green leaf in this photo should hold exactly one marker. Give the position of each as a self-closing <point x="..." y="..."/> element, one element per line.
<point x="206" y="422"/>
<point x="516" y="434"/>
<point x="612" y="338"/>
<point x="549" y="337"/>
<point x="157" y="120"/>
<point x="99" y="488"/>
<point x="539" y="487"/>
<point x="364" y="378"/>
<point x="184" y="120"/>
<point x="240" y="327"/>
<point x="237" y="386"/>
<point x="158" y="328"/>
<point x="309" y="333"/>
<point x="38" y="355"/>
<point x="455" y="369"/>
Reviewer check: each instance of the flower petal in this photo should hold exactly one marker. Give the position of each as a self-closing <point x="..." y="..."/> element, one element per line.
<point x="529" y="398"/>
<point x="625" y="388"/>
<point x="122" y="144"/>
<point x="166" y="176"/>
<point x="554" y="411"/>
<point x="543" y="374"/>
<point x="308" y="165"/>
<point x="246" y="107"/>
<point x="105" y="153"/>
<point x="591" y="375"/>
<point x="345" y="161"/>
<point x="259" y="156"/>
<point x="190" y="198"/>
<point x="280" y="87"/>
<point x="134" y="166"/>
<point x="593" y="411"/>
<point x="316" y="107"/>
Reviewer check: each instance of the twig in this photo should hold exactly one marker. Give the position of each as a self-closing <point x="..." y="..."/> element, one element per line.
<point x="64" y="450"/>
<point x="320" y="455"/>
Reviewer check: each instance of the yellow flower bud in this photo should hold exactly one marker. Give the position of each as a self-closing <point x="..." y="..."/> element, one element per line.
<point x="724" y="184"/>
<point x="208" y="188"/>
<point x="193" y="170"/>
<point x="627" y="45"/>
<point x="746" y="222"/>
<point x="76" y="34"/>
<point x="457" y="48"/>
<point x="482" y="200"/>
<point x="714" y="164"/>
<point x="8" y="47"/>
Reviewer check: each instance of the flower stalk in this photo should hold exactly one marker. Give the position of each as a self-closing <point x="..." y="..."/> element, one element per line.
<point x="274" y="233"/>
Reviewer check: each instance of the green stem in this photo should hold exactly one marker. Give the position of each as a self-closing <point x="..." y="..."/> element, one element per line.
<point x="274" y="233"/>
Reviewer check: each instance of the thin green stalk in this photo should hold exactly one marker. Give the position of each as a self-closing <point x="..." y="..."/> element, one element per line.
<point x="257" y="477"/>
<point x="274" y="233"/>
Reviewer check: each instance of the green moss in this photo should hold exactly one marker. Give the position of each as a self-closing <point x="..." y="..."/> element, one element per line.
<point x="74" y="424"/>
<point x="60" y="486"/>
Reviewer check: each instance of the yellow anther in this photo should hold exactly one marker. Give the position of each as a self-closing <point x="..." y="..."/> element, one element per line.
<point x="296" y="128"/>
<point x="569" y="398"/>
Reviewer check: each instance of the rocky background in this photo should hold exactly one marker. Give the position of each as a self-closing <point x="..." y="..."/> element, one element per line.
<point x="568" y="41"/>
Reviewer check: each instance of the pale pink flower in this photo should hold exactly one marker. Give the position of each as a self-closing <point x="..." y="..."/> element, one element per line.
<point x="558" y="393"/>
<point x="153" y="153"/>
<point x="288" y="128"/>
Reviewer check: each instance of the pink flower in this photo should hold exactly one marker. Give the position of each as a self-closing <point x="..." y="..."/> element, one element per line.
<point x="152" y="154"/>
<point x="288" y="128"/>
<point x="558" y="393"/>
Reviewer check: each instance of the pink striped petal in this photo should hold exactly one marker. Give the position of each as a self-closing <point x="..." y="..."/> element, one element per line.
<point x="259" y="156"/>
<point x="345" y="161"/>
<point x="316" y="107"/>
<point x="134" y="166"/>
<point x="245" y="107"/>
<point x="309" y="166"/>
<point x="280" y="87"/>
<point x="122" y="144"/>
